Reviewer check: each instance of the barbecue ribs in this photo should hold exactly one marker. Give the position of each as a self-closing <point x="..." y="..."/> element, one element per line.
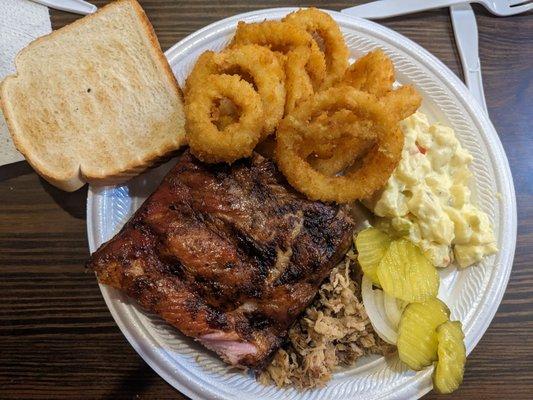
<point x="229" y="255"/>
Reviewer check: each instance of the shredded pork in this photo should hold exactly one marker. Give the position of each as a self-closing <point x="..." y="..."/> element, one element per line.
<point x="334" y="331"/>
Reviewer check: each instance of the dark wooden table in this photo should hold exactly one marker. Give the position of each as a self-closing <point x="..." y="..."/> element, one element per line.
<point x="57" y="338"/>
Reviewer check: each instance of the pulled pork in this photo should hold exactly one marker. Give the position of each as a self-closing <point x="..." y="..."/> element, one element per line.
<point x="334" y="331"/>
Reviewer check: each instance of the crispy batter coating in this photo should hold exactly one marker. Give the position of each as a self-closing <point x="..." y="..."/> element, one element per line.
<point x="376" y="165"/>
<point x="320" y="24"/>
<point x="251" y="62"/>
<point x="236" y="140"/>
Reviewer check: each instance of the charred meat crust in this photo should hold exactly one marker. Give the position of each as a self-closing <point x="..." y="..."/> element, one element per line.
<point x="229" y="255"/>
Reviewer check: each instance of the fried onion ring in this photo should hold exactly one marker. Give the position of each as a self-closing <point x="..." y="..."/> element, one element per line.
<point x="236" y="140"/>
<point x="283" y="37"/>
<point x="376" y="166"/>
<point x="402" y="102"/>
<point x="251" y="62"/>
<point x="373" y="73"/>
<point x="342" y="120"/>
<point x="399" y="103"/>
<point x="337" y="155"/>
<point x="346" y="153"/>
<point x="321" y="24"/>
<point x="298" y="85"/>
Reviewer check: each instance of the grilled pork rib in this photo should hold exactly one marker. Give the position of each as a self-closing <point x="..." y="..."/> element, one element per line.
<point x="229" y="255"/>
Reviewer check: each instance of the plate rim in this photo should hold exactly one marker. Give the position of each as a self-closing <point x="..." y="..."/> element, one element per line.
<point x="136" y="338"/>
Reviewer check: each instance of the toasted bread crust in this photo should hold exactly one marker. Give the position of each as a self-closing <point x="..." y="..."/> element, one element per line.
<point x="155" y="43"/>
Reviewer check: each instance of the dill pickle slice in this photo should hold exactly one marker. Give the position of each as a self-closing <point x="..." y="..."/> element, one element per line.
<point x="371" y="244"/>
<point x="405" y="273"/>
<point x="449" y="370"/>
<point x="417" y="335"/>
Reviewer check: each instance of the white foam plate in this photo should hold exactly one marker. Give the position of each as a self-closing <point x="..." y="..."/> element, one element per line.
<point x="473" y="294"/>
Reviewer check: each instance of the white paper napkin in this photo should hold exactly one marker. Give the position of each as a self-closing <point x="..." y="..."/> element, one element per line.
<point x="21" y="21"/>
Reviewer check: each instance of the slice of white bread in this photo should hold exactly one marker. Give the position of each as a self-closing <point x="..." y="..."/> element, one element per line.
<point x="95" y="101"/>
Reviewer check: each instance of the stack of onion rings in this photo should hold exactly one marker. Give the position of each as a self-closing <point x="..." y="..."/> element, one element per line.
<point x="337" y="126"/>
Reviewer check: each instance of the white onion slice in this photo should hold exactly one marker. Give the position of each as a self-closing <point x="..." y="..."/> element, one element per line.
<point x="373" y="300"/>
<point x="392" y="310"/>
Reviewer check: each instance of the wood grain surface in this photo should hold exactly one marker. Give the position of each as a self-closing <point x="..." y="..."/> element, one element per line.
<point x="57" y="338"/>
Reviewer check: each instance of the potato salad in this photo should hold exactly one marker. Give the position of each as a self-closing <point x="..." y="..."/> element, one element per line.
<point x="427" y="198"/>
